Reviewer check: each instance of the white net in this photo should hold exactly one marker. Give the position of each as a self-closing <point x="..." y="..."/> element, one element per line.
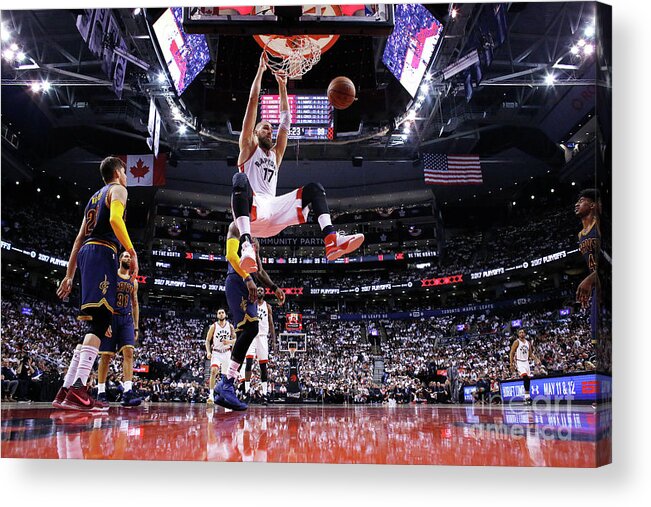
<point x="303" y="54"/>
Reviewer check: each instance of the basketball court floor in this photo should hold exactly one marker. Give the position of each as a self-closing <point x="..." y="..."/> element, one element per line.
<point x="404" y="434"/>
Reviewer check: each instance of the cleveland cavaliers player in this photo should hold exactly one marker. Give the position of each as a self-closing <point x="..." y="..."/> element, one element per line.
<point x="219" y="342"/>
<point x="257" y="210"/>
<point x="521" y="355"/>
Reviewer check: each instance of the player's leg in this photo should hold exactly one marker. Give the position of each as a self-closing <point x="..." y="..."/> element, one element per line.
<point x="102" y="371"/>
<point x="241" y="203"/>
<point x="248" y="367"/>
<point x="314" y="196"/>
<point x="68" y="379"/>
<point x="262" y="351"/>
<point x="129" y="398"/>
<point x="245" y="313"/>
<point x="214" y="368"/>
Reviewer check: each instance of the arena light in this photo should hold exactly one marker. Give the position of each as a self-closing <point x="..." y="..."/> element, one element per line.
<point x="38" y="189"/>
<point x="574" y="183"/>
<point x="588" y="49"/>
<point x="36" y="87"/>
<point x="550" y="79"/>
<point x="45" y="86"/>
<point x="454" y="13"/>
<point x="14" y="47"/>
<point x="533" y="197"/>
<point x="20" y="56"/>
<point x="137" y="11"/>
<point x="183" y="129"/>
<point x="5" y="33"/>
<point x="411" y="116"/>
<point x="589" y="31"/>
<point x="574" y="50"/>
<point x="581" y="43"/>
<point x="161" y="78"/>
<point x="58" y="196"/>
<point x="513" y="203"/>
<point x="18" y="183"/>
<point x="8" y="55"/>
<point x="552" y="190"/>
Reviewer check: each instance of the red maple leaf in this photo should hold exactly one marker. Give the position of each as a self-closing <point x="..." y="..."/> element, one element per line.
<point x="139" y="170"/>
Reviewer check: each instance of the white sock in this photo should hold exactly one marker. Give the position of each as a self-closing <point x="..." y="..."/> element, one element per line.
<point x="72" y="369"/>
<point x="87" y="356"/>
<point x="101" y="388"/>
<point x="233" y="369"/>
<point x="128" y="385"/>
<point x="264" y="388"/>
<point x="324" y="220"/>
<point x="244" y="225"/>
<point x="247" y="386"/>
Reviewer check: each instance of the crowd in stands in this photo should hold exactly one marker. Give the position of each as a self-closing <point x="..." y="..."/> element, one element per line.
<point x="340" y="365"/>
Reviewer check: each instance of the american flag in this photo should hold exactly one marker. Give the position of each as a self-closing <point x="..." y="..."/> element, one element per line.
<point x="451" y="169"/>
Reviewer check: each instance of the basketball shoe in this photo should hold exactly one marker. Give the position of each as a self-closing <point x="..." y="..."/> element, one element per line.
<point x="248" y="261"/>
<point x="226" y="397"/>
<point x="79" y="399"/>
<point x="129" y="399"/>
<point x="60" y="397"/>
<point x="338" y="244"/>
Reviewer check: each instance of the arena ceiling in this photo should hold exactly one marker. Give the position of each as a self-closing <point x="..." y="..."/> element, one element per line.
<point x="80" y="119"/>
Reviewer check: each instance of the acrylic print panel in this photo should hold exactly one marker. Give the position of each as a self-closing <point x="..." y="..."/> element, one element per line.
<point x="430" y="281"/>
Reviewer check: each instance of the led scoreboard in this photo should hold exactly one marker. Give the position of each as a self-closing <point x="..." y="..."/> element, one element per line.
<point x="312" y="115"/>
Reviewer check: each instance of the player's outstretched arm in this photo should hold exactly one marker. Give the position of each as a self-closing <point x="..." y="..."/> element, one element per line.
<point x="118" y="197"/>
<point x="247" y="145"/>
<point x="263" y="277"/>
<point x="285" y="119"/>
<point x="65" y="287"/>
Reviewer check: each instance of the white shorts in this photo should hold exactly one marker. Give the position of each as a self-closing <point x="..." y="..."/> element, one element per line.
<point x="259" y="348"/>
<point x="221" y="359"/>
<point x="524" y="368"/>
<point x="270" y="215"/>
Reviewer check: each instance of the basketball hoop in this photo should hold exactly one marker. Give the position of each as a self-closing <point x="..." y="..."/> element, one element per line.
<point x="294" y="55"/>
<point x="292" y="348"/>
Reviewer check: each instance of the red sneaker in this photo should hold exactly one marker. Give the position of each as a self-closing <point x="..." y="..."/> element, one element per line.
<point x="79" y="399"/>
<point x="338" y="244"/>
<point x="61" y="395"/>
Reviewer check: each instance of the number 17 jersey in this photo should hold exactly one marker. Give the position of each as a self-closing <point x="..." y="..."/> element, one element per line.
<point x="262" y="171"/>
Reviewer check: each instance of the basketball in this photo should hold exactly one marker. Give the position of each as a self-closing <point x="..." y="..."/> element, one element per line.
<point x="341" y="92"/>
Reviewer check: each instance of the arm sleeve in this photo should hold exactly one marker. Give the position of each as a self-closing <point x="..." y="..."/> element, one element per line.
<point x="285" y="120"/>
<point x="232" y="245"/>
<point x="118" y="225"/>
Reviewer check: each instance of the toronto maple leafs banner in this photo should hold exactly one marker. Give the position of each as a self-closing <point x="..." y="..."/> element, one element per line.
<point x="145" y="170"/>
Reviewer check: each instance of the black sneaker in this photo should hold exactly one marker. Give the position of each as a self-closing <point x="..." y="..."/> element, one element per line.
<point x="129" y="399"/>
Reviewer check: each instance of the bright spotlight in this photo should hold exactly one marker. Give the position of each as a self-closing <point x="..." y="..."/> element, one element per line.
<point x="8" y="55"/>
<point x="183" y="129"/>
<point x="581" y="43"/>
<point x="588" y="49"/>
<point x="454" y="13"/>
<point x="533" y="197"/>
<point x="14" y="47"/>
<point x="574" y="50"/>
<point x="412" y="115"/>
<point x="137" y="11"/>
<point x="20" y="56"/>
<point x="161" y="78"/>
<point x="36" y="87"/>
<point x="589" y="31"/>
<point x="5" y="33"/>
<point x="46" y="86"/>
<point x="550" y="79"/>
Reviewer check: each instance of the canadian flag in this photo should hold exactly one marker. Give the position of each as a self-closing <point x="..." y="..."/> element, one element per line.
<point x="145" y="170"/>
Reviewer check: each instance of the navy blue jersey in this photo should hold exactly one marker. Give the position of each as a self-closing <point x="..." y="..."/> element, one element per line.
<point x="590" y="245"/>
<point x="98" y="214"/>
<point x="124" y="296"/>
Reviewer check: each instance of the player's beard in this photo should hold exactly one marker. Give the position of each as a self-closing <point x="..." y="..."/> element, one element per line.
<point x="125" y="265"/>
<point x="265" y="142"/>
<point x="221" y="320"/>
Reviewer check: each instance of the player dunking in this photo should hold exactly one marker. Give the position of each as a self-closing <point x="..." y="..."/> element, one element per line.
<point x="123" y="335"/>
<point x="95" y="249"/>
<point x="257" y="210"/>
<point x="587" y="209"/>
<point x="241" y="294"/>
<point x="219" y="343"/>
<point x="260" y="346"/>
<point x="521" y="355"/>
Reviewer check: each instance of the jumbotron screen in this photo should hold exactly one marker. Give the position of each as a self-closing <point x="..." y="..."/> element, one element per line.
<point x="311" y="115"/>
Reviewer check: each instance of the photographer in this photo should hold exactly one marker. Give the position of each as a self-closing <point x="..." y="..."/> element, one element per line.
<point x="25" y="372"/>
<point x="9" y="381"/>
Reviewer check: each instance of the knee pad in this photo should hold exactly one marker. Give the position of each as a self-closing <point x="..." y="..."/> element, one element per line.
<point x="312" y="189"/>
<point x="240" y="181"/>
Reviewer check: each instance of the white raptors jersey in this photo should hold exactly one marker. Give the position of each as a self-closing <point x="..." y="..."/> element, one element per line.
<point x="522" y="352"/>
<point x="221" y="334"/>
<point x="262" y="172"/>
<point x="263" y="315"/>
